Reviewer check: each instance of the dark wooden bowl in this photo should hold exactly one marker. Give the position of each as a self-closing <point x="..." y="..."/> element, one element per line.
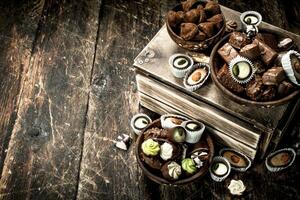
<point x="150" y="173"/>
<point x="195" y="45"/>
<point x="216" y="62"/>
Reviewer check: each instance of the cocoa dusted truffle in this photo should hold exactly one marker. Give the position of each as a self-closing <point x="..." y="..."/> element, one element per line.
<point x="225" y="78"/>
<point x="273" y="76"/>
<point x="268" y="55"/>
<point x="152" y="162"/>
<point x="238" y="40"/>
<point x="191" y="16"/>
<point x="187" y="5"/>
<point x="188" y="31"/>
<point x="202" y="15"/>
<point x="200" y="36"/>
<point x="212" y="8"/>
<point x="217" y="19"/>
<point x="255" y="88"/>
<point x="250" y="51"/>
<point x="175" y="18"/>
<point x="208" y="28"/>
<point x="227" y="52"/>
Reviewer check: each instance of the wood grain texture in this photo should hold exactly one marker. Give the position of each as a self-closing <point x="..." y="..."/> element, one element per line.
<point x="17" y="33"/>
<point x="45" y="148"/>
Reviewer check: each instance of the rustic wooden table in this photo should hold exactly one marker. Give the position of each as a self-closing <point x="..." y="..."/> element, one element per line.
<point x="67" y="90"/>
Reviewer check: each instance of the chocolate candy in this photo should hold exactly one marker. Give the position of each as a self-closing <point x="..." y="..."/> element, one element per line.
<point x="212" y="8"/>
<point x="250" y="51"/>
<point x="254" y="88"/>
<point x="268" y="38"/>
<point x="175" y="18"/>
<point x="260" y="68"/>
<point x="187" y="5"/>
<point x="269" y="93"/>
<point x="208" y="28"/>
<point x="226" y="80"/>
<point x="202" y="15"/>
<point x="238" y="40"/>
<point x="188" y="31"/>
<point x="295" y="61"/>
<point x="217" y="19"/>
<point x="200" y="36"/>
<point x="285" y="44"/>
<point x="268" y="55"/>
<point x="273" y="76"/>
<point x="227" y="52"/>
<point x="191" y="16"/>
<point x="285" y="88"/>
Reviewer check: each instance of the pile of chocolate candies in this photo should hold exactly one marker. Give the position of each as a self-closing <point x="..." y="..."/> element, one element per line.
<point x="174" y="150"/>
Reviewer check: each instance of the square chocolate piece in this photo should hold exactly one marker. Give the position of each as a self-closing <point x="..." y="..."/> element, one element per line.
<point x="273" y="76"/>
<point x="227" y="52"/>
<point x="250" y="51"/>
<point x="238" y="40"/>
<point x="268" y="55"/>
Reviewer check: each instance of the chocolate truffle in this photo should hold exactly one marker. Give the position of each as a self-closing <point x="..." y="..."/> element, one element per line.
<point x="171" y="170"/>
<point x="188" y="31"/>
<point x="191" y="16"/>
<point x="226" y="80"/>
<point x="273" y="76"/>
<point x="202" y="15"/>
<point x="187" y="5"/>
<point x="200" y="36"/>
<point x="208" y="28"/>
<point x="269" y="93"/>
<point x="227" y="52"/>
<point x="255" y="88"/>
<point x="238" y="40"/>
<point x="268" y="55"/>
<point x="218" y="19"/>
<point x="212" y="8"/>
<point x="250" y="51"/>
<point x="175" y="18"/>
<point x="285" y="88"/>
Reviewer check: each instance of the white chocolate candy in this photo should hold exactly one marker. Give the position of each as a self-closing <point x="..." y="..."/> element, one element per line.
<point x="166" y="151"/>
<point x="236" y="187"/>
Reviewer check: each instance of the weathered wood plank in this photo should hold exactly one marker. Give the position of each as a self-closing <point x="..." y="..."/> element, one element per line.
<point x="46" y="144"/>
<point x="108" y="173"/>
<point x="17" y="33"/>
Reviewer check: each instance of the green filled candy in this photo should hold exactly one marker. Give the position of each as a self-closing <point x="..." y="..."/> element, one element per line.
<point x="150" y="147"/>
<point x="188" y="165"/>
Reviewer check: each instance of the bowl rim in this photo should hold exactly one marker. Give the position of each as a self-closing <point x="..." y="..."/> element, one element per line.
<point x="190" y="42"/>
<point x="161" y="180"/>
<point x="237" y="98"/>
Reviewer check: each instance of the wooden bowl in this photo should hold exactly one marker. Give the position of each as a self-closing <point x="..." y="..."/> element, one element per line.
<point x="155" y="176"/>
<point x="194" y="45"/>
<point x="216" y="62"/>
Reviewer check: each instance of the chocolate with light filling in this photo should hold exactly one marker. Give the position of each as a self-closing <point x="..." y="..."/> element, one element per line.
<point x="208" y="28"/>
<point x="268" y="55"/>
<point x="238" y="40"/>
<point x="188" y="31"/>
<point x="235" y="159"/>
<point x="227" y="52"/>
<point x="286" y="44"/>
<point x="273" y="76"/>
<point x="212" y="8"/>
<point x="250" y="51"/>
<point x="226" y="80"/>
<point x="192" y="16"/>
<point x="255" y="88"/>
